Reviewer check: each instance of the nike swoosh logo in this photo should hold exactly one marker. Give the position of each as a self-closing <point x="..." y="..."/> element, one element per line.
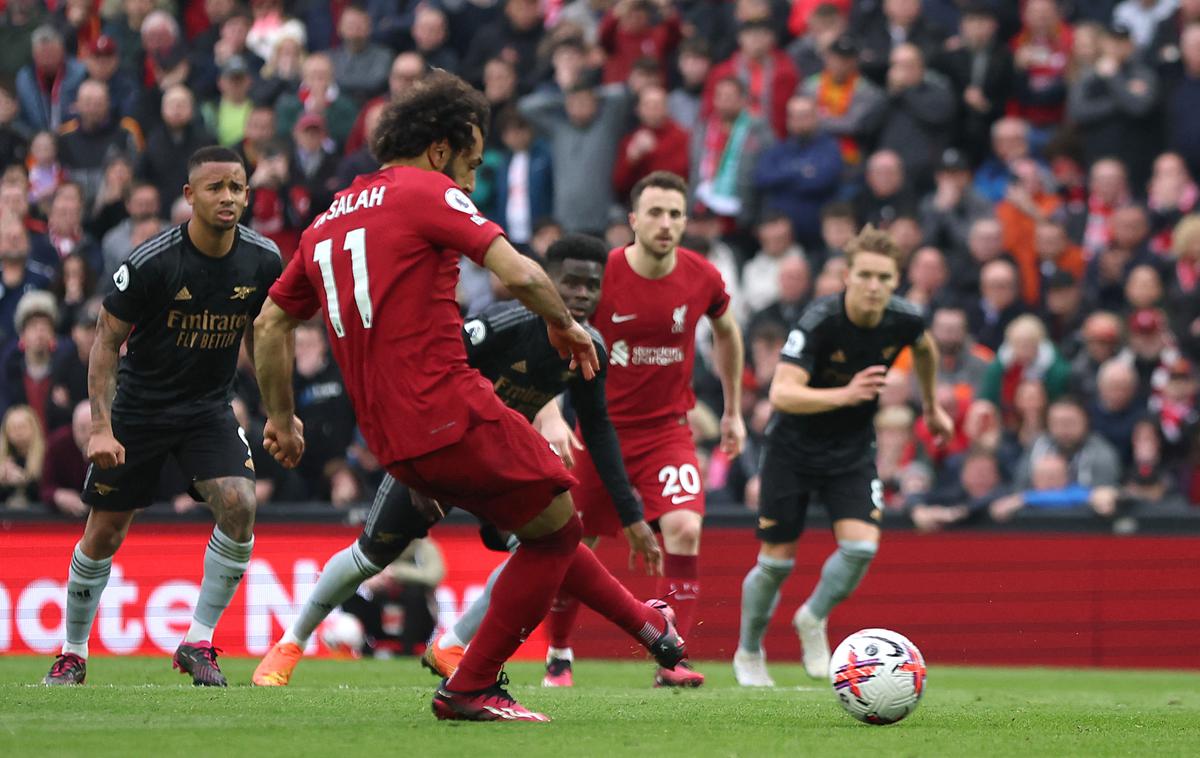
<point x="622" y="319"/>
<point x="677" y="499"/>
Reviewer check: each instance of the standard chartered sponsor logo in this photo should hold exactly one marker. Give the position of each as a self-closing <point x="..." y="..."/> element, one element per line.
<point x="622" y="354"/>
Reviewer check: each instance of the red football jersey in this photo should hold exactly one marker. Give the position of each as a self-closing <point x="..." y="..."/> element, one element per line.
<point x="649" y="326"/>
<point x="382" y="262"/>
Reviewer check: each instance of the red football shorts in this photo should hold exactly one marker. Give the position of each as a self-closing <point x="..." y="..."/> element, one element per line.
<point x="662" y="466"/>
<point x="502" y="471"/>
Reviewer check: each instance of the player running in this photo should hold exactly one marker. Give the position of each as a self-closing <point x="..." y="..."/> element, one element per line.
<point x="822" y="440"/>
<point x="382" y="264"/>
<point x="183" y="299"/>
<point x="509" y="346"/>
<point x="654" y="294"/>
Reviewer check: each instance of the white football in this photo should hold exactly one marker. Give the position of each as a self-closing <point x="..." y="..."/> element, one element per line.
<point x="342" y="633"/>
<point x="877" y="675"/>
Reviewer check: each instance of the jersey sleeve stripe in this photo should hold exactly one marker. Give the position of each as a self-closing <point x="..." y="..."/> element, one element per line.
<point x="819" y="311"/>
<point x="154" y="246"/>
<point x="254" y="238"/>
<point x="900" y="305"/>
<point x="511" y="318"/>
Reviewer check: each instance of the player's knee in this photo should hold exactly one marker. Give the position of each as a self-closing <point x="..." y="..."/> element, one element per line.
<point x="858" y="551"/>
<point x="380" y="553"/>
<point x="562" y="541"/>
<point x="684" y="538"/>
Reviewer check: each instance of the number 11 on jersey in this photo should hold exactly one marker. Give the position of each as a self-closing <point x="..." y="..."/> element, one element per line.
<point x="356" y="244"/>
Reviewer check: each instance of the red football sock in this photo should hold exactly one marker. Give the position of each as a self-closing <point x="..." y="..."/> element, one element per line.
<point x="561" y="620"/>
<point x="520" y="599"/>
<point x="588" y="580"/>
<point x="681" y="577"/>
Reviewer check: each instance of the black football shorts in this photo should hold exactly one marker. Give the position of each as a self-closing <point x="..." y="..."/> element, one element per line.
<point x="209" y="447"/>
<point x="785" y="492"/>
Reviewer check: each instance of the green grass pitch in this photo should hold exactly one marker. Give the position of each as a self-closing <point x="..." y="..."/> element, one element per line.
<point x="140" y="707"/>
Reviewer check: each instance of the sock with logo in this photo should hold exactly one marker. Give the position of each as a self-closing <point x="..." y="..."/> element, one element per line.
<point x="339" y="579"/>
<point x="225" y="562"/>
<point x="842" y="572"/>
<point x="85" y="583"/>
<point x="680" y="586"/>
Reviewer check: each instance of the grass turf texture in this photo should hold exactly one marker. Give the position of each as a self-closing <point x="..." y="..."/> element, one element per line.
<point x="139" y="706"/>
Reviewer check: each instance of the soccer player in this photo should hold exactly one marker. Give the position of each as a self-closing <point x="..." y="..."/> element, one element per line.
<point x="822" y="440"/>
<point x="654" y="294"/>
<point x="382" y="264"/>
<point x="508" y="344"/>
<point x="183" y="299"/>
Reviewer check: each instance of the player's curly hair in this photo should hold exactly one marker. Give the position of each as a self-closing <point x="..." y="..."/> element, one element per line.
<point x="440" y="107"/>
<point x="872" y="240"/>
<point x="577" y="247"/>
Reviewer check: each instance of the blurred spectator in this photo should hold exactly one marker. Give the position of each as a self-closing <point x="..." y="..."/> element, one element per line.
<point x="1143" y="287"/>
<point x="1117" y="406"/>
<point x="14" y="136"/>
<point x="18" y="19"/>
<point x="1086" y="50"/>
<point x="360" y="67"/>
<point x="656" y="144"/>
<point x="724" y="152"/>
<point x="1147" y="478"/>
<point x="324" y="407"/>
<point x="895" y="448"/>
<point x="431" y="37"/>
<point x="885" y="194"/>
<point x="1113" y="104"/>
<point x="1174" y="406"/>
<point x="66" y="464"/>
<point x="947" y="213"/>
<point x="180" y="134"/>
<point x="500" y="90"/>
<point x="398" y="606"/>
<point x="1053" y="253"/>
<point x="318" y="95"/>
<point x="107" y="208"/>
<point x="165" y="51"/>
<point x="999" y="302"/>
<point x="226" y="117"/>
<point x="74" y="285"/>
<point x="1041" y="54"/>
<point x="259" y="132"/>
<point x="1091" y="460"/>
<point x="978" y="485"/>
<point x="760" y="275"/>
<point x="516" y="182"/>
<point x="16" y="278"/>
<point x="635" y="29"/>
<point x="1063" y="310"/>
<point x="406" y="69"/>
<point x="1102" y="339"/>
<point x="583" y="127"/>
<point x="1165" y="47"/>
<point x="799" y="175"/>
<point x="1026" y="204"/>
<point x="102" y="60"/>
<point x="515" y="36"/>
<point x="767" y="74"/>
<point x="826" y="23"/>
<point x="279" y="201"/>
<point x="1010" y="143"/>
<point x="917" y="117"/>
<point x="926" y="278"/>
<point x="26" y="370"/>
<point x="280" y="75"/>
<point x="1025" y="355"/>
<point x="985" y="431"/>
<point x="795" y="285"/>
<point x="46" y="86"/>
<point x="45" y="170"/>
<point x="694" y="63"/>
<point x="270" y="26"/>
<point x="1151" y="345"/>
<point x="64" y="226"/>
<point x="22" y="455"/>
<point x="1142" y="17"/>
<point x="1182" y="101"/>
<point x="703" y="234"/>
<point x="314" y="165"/>
<point x="125" y="29"/>
<point x="980" y="69"/>
<point x="901" y="23"/>
<point x="1051" y="485"/>
<point x="97" y="135"/>
<point x="1108" y="190"/>
<point x="838" y="227"/>
<point x="1171" y="194"/>
<point x="142" y="204"/>
<point x="362" y="161"/>
<point x="851" y="106"/>
<point x="68" y="372"/>
<point x="964" y="363"/>
<point x="1127" y="249"/>
<point x="1183" y="279"/>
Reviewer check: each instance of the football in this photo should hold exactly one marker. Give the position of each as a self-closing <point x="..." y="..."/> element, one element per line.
<point x="343" y="634"/>
<point x="878" y="676"/>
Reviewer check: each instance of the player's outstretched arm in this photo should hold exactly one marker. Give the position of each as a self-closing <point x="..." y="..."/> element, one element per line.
<point x="790" y="392"/>
<point x="274" y="348"/>
<point x="111" y="332"/>
<point x="925" y="359"/>
<point x="730" y="359"/>
<point x="526" y="280"/>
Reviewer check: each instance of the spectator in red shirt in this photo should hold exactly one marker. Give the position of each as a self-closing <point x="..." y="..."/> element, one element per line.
<point x="656" y="144"/>
<point x="1041" y="56"/>
<point x="66" y="464"/>
<point x="768" y="74"/>
<point x="636" y="29"/>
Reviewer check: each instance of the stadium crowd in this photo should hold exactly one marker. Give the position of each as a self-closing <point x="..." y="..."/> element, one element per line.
<point x="1035" y="160"/>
